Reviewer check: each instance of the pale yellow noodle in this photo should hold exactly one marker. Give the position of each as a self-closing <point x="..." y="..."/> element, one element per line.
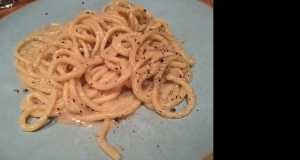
<point x="115" y="155"/>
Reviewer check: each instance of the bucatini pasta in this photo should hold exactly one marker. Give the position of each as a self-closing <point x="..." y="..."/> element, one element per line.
<point x="103" y="66"/>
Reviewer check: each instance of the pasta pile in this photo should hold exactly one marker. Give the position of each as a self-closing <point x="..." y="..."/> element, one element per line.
<point x="102" y="66"/>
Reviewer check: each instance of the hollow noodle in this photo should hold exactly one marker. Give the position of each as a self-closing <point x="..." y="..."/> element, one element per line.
<point x="102" y="66"/>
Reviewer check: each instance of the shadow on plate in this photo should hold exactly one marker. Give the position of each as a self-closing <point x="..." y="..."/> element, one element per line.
<point x="50" y="122"/>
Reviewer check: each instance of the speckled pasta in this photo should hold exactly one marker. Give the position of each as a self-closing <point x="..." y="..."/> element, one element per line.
<point x="102" y="66"/>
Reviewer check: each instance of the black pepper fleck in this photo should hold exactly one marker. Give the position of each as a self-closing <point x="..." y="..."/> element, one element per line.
<point x="117" y="119"/>
<point x="172" y="109"/>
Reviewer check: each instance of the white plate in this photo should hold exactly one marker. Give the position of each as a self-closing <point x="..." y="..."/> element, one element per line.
<point x="154" y="137"/>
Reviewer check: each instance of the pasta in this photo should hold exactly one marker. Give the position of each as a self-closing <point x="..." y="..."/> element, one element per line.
<point x="103" y="66"/>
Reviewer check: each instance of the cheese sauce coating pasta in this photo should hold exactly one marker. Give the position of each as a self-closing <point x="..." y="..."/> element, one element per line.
<point x="102" y="66"/>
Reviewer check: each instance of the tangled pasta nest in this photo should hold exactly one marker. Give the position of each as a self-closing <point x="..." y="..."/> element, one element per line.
<point x="102" y="66"/>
